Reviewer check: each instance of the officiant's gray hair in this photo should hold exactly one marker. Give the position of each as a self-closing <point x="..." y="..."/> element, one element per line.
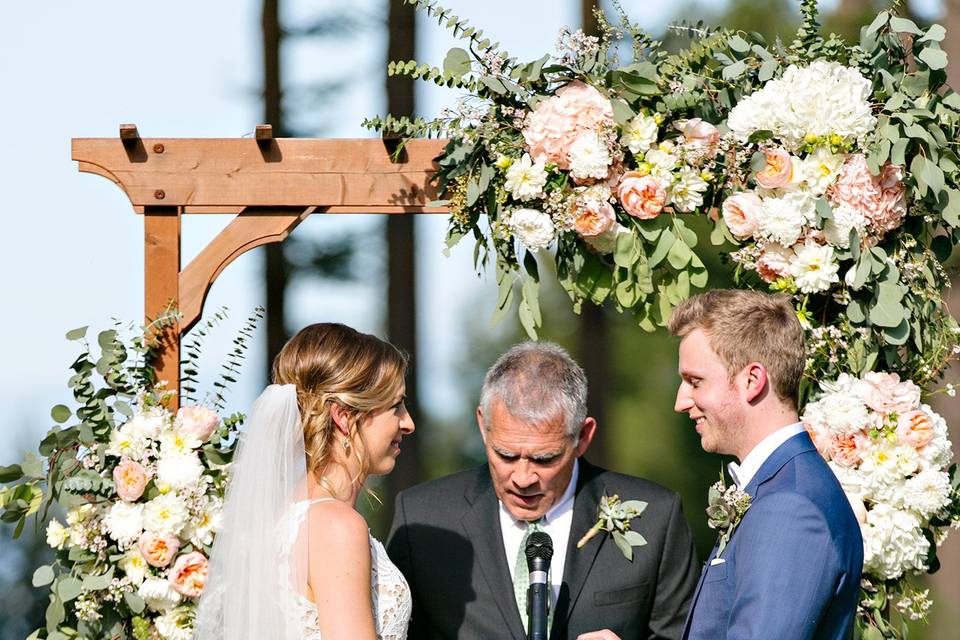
<point x="536" y="381"/>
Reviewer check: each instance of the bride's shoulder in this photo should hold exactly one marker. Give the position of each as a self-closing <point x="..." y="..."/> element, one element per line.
<point x="337" y="523"/>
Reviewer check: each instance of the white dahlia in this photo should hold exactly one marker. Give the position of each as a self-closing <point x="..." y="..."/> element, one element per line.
<point x="686" y="192"/>
<point x="179" y="470"/>
<point x="639" y="134"/>
<point x="165" y="514"/>
<point x="589" y="157"/>
<point x="927" y="492"/>
<point x="533" y="228"/>
<point x="813" y="268"/>
<point x="526" y="179"/>
<point x="176" y="624"/>
<point x="845" y="219"/>
<point x="124" y="523"/>
<point x="158" y="594"/>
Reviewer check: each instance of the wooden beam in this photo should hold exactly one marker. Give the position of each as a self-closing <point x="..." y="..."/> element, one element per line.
<point x="251" y="228"/>
<point x="294" y="172"/>
<point x="162" y="287"/>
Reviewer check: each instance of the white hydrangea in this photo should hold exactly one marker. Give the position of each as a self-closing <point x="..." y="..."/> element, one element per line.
<point x="158" y="594"/>
<point x="850" y="479"/>
<point x="821" y="99"/>
<point x="893" y="543"/>
<point x="845" y="219"/>
<point x="639" y="134"/>
<point x="927" y="492"/>
<point x="843" y="414"/>
<point x="589" y="157"/>
<point x="686" y="192"/>
<point x="813" y="268"/>
<point x="784" y="218"/>
<point x="57" y="534"/>
<point x="165" y="514"/>
<point x="134" y="566"/>
<point x="526" y="179"/>
<point x="124" y="522"/>
<point x="179" y="470"/>
<point x="176" y="624"/>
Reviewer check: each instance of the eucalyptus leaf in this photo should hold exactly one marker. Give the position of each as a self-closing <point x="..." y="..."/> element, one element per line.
<point x="897" y="335"/>
<point x="734" y="71"/>
<point x="768" y="69"/>
<point x="134" y="601"/>
<point x="77" y="334"/>
<point x="68" y="588"/>
<point x="55" y="612"/>
<point x="904" y="25"/>
<point x="43" y="576"/>
<point x="623" y="545"/>
<point x="856" y="312"/>
<point x="634" y="539"/>
<point x="10" y="473"/>
<point x="936" y="33"/>
<point x="664" y="244"/>
<point x="887" y="312"/>
<point x="934" y="58"/>
<point x="457" y="62"/>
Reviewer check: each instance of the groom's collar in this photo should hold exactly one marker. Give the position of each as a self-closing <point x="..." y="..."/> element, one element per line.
<point x="743" y="473"/>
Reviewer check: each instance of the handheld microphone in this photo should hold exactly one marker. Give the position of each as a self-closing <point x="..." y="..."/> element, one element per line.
<point x="539" y="551"/>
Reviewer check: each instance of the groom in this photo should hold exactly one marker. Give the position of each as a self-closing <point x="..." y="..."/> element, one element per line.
<point x="459" y="540"/>
<point x="791" y="566"/>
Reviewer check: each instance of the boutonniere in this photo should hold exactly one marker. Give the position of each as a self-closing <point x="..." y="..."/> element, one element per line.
<point x="614" y="517"/>
<point x="726" y="510"/>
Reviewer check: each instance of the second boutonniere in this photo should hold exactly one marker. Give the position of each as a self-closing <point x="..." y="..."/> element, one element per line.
<point x="614" y="517"/>
<point x="726" y="510"/>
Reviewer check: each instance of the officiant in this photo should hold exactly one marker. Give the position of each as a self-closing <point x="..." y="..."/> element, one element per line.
<point x="459" y="540"/>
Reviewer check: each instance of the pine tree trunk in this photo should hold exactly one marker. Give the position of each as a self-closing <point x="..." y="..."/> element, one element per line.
<point x="594" y="333"/>
<point x="276" y="270"/>
<point x="401" y="252"/>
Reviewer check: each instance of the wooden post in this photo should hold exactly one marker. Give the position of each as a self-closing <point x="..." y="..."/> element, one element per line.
<point x="161" y="259"/>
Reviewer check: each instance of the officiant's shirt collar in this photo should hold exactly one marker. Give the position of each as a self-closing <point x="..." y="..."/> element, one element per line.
<point x="743" y="473"/>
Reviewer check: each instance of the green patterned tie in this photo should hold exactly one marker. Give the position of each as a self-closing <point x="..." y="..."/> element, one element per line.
<point x="521" y="576"/>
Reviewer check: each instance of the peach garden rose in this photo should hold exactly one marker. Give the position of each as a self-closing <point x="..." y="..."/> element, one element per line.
<point x="199" y="422"/>
<point x="741" y="213"/>
<point x="778" y="171"/>
<point x="915" y="429"/>
<point x="189" y="574"/>
<point x="158" y="549"/>
<point x="130" y="479"/>
<point x="593" y="218"/>
<point x="641" y="196"/>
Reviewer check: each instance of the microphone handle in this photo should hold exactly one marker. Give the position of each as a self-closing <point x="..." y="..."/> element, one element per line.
<point x="538" y="599"/>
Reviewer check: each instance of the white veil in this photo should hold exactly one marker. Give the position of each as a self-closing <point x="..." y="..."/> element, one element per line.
<point x="251" y="564"/>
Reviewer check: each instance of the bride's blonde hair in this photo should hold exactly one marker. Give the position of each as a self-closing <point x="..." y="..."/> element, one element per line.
<point x="332" y="363"/>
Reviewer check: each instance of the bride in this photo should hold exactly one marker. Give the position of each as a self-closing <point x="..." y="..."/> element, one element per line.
<point x="294" y="560"/>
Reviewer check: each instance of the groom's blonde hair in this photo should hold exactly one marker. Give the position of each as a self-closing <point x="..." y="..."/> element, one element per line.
<point x="331" y="363"/>
<point x="748" y="326"/>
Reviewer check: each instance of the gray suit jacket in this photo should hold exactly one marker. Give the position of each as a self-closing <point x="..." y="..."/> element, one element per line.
<point x="446" y="540"/>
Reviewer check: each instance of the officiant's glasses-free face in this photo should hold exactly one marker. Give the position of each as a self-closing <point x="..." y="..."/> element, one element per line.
<point x="530" y="464"/>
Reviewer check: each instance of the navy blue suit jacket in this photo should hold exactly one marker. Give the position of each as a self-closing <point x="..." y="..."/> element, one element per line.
<point x="791" y="570"/>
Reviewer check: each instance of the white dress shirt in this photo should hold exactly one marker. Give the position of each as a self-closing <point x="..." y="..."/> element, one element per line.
<point x="556" y="523"/>
<point x="742" y="473"/>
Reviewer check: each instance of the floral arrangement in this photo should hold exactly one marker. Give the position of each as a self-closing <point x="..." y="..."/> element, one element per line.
<point x="819" y="168"/>
<point x="142" y="489"/>
<point x="892" y="456"/>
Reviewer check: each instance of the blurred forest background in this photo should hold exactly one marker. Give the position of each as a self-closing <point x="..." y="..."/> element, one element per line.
<point x="632" y="374"/>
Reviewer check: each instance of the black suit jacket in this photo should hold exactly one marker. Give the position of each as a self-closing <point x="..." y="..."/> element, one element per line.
<point x="446" y="540"/>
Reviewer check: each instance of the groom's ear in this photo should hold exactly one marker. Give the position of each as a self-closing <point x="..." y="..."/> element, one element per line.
<point x="755" y="381"/>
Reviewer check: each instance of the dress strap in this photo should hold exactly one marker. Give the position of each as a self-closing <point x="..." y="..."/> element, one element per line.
<point x="316" y="500"/>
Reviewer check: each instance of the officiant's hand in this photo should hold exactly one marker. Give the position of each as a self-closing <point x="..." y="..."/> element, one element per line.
<point x="605" y="634"/>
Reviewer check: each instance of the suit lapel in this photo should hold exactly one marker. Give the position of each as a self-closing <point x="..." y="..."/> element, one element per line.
<point x="578" y="562"/>
<point x="481" y="523"/>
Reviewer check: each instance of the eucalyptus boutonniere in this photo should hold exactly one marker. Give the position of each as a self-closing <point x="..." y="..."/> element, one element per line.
<point x="614" y="517"/>
<point x="727" y="506"/>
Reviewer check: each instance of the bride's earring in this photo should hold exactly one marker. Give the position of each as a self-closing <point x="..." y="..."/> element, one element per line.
<point x="346" y="444"/>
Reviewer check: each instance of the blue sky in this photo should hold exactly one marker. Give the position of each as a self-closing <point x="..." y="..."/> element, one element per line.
<point x="192" y="69"/>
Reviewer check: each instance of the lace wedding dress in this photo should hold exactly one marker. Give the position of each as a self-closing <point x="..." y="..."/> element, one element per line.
<point x="389" y="591"/>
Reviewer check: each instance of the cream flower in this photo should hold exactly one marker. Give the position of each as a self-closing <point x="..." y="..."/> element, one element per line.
<point x="124" y="522"/>
<point x="813" y="268"/>
<point x="57" y="534"/>
<point x="175" y="624"/>
<point x="686" y="192"/>
<point x="134" y="566"/>
<point x="165" y="514"/>
<point x="198" y="422"/>
<point x="893" y="543"/>
<point x="639" y="133"/>
<point x="533" y="228"/>
<point x="158" y="594"/>
<point x="927" y="492"/>
<point x="526" y="179"/>
<point x="179" y="470"/>
<point x="589" y="158"/>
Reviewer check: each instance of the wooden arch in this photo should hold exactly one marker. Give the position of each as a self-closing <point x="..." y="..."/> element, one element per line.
<point x="269" y="185"/>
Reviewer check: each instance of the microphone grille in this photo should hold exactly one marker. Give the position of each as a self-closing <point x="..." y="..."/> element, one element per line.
<point x="539" y="545"/>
